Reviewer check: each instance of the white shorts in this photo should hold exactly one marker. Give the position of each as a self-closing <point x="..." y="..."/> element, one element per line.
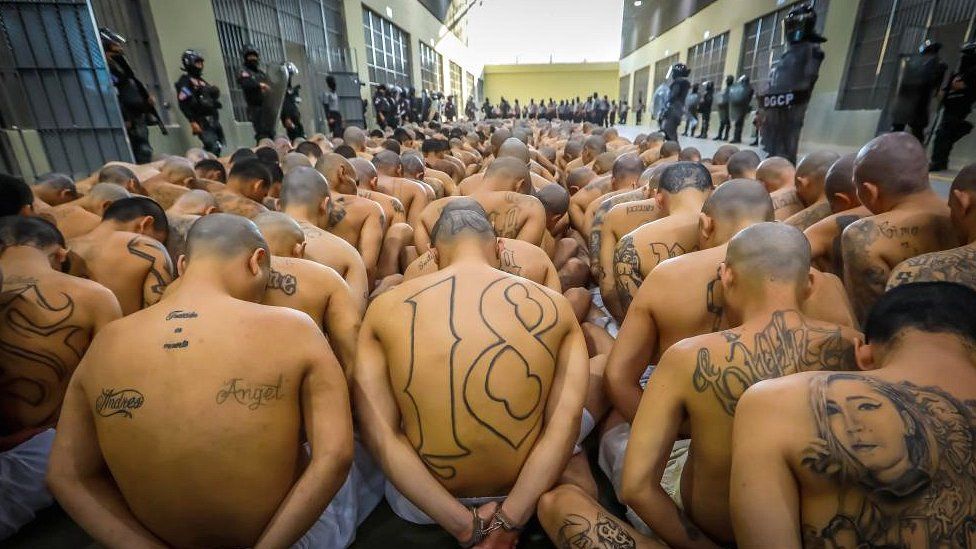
<point x="357" y="498"/>
<point x="22" y="489"/>
<point x="613" y="448"/>
<point x="409" y="512"/>
<point x="607" y="322"/>
<point x="587" y="423"/>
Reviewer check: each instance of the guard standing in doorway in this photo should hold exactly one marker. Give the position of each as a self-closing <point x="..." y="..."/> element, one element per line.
<point x="137" y="106"/>
<point x="957" y="102"/>
<point x="920" y="81"/>
<point x="791" y="84"/>
<point x="200" y="102"/>
<point x="330" y="103"/>
<point x="254" y="83"/>
<point x="291" y="116"/>
<point x="675" y="107"/>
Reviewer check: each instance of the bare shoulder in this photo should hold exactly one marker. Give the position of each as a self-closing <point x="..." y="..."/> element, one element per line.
<point x="321" y="275"/>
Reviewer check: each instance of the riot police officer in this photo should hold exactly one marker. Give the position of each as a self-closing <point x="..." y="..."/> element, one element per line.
<point x="200" y="102"/>
<point x="919" y="82"/>
<point x="957" y="102"/>
<point x="674" y="109"/>
<point x="740" y="103"/>
<point x="137" y="106"/>
<point x="381" y="105"/>
<point x="724" y="120"/>
<point x="791" y="83"/>
<point x="254" y="83"/>
<point x="291" y="116"/>
<point x="705" y="107"/>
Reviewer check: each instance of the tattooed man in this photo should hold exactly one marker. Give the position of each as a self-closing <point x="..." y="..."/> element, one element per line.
<point x="125" y="253"/>
<point x="909" y="217"/>
<point x="248" y="184"/>
<point x="845" y="207"/>
<point x="880" y="458"/>
<point x="469" y="387"/>
<point x="390" y="181"/>
<point x="779" y="177"/>
<point x="219" y="421"/>
<point x="811" y="174"/>
<point x="48" y="321"/>
<point x="397" y="233"/>
<point x="957" y="264"/>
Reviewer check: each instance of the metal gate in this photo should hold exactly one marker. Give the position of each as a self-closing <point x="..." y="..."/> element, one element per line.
<point x="54" y="80"/>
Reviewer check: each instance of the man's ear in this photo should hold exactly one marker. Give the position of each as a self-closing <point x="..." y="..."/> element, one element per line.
<point x="298" y="250"/>
<point x="103" y="206"/>
<point x="726" y="275"/>
<point x="864" y="355"/>
<point x="210" y="209"/>
<point x="144" y="225"/>
<point x="706" y="227"/>
<point x="324" y="205"/>
<point x="868" y="193"/>
<point x="258" y="256"/>
<point x="67" y="195"/>
<point x="843" y="201"/>
<point x="964" y="199"/>
<point x="181" y="265"/>
<point x="60" y="256"/>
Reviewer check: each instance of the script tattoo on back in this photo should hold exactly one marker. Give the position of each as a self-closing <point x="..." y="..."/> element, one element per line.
<point x="250" y="395"/>
<point x="904" y="458"/>
<point x="519" y="314"/>
<point x="577" y="532"/>
<point x="118" y="402"/>
<point x="179" y="316"/>
<point x="161" y="274"/>
<point x="786" y="345"/>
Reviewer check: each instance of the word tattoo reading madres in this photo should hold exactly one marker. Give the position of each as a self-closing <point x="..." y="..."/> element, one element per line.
<point x="253" y="395"/>
<point x="118" y="402"/>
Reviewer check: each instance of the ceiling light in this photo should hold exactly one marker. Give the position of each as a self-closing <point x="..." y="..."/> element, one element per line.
<point x="637" y="3"/>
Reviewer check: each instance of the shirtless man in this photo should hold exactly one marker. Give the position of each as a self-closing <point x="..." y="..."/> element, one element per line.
<point x="356" y="138"/>
<point x="121" y="176"/>
<point x="650" y="150"/>
<point x="177" y="479"/>
<point x="955" y="265"/>
<point x="779" y="177"/>
<point x="210" y="169"/>
<point x="54" y="189"/>
<point x="247" y="186"/>
<point x="811" y="174"/>
<point x="669" y="153"/>
<point x="719" y="166"/>
<point x="358" y="221"/>
<point x="579" y="178"/>
<point x="682" y="297"/>
<point x="446" y="461"/>
<point x="174" y="179"/>
<point x="366" y="180"/>
<point x="310" y="287"/>
<point x="187" y="209"/>
<point x="80" y="216"/>
<point x="125" y="253"/>
<point x="49" y="319"/>
<point x="625" y="175"/>
<point x="743" y="165"/>
<point x="305" y="198"/>
<point x="845" y="207"/>
<point x="878" y="458"/>
<point x="390" y="182"/>
<point x="680" y="195"/>
<point x="680" y="490"/>
<point x="599" y="187"/>
<point x="909" y="219"/>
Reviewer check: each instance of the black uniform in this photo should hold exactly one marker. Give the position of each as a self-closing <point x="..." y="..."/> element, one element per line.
<point x="740" y="103"/>
<point x="291" y="113"/>
<point x="381" y="108"/>
<point x="920" y="80"/>
<point x="958" y="99"/>
<point x="200" y="103"/>
<point x="137" y="111"/>
<point x="250" y="80"/>
<point x="469" y="109"/>
<point x="675" y="107"/>
<point x="705" y="108"/>
<point x="724" y="120"/>
<point x="791" y="83"/>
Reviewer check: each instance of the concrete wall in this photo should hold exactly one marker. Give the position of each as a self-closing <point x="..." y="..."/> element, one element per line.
<point x="824" y="122"/>
<point x="558" y="81"/>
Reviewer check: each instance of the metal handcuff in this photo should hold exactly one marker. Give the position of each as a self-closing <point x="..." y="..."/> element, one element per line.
<point x="479" y="531"/>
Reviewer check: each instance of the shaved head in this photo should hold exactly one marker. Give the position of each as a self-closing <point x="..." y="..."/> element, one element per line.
<point x="458" y="223"/>
<point x="595" y="144"/>
<point x="573" y="149"/>
<point x="776" y="172"/>
<point x="743" y="164"/>
<point x="840" y="177"/>
<point x="354" y="137"/>
<point x="413" y="166"/>
<point x="554" y="198"/>
<point x="110" y="192"/>
<point x="579" y="177"/>
<point x="280" y="231"/>
<point x="387" y="163"/>
<point x="604" y="163"/>
<point x="627" y="166"/>
<point x="304" y="187"/>
<point x="680" y="176"/>
<point x="333" y="166"/>
<point x="723" y="153"/>
<point x="769" y="253"/>
<point x="176" y="169"/>
<point x="514" y="148"/>
<point x="966" y="180"/>
<point x="497" y="138"/>
<point x="740" y="201"/>
<point x="508" y="174"/>
<point x="690" y="154"/>
<point x="815" y="165"/>
<point x="294" y="159"/>
<point x="114" y="173"/>
<point x="670" y="148"/>
<point x="223" y="236"/>
<point x="365" y="171"/>
<point x="195" y="202"/>
<point x="895" y="162"/>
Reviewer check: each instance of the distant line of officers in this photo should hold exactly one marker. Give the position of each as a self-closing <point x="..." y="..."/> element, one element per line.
<point x="394" y="105"/>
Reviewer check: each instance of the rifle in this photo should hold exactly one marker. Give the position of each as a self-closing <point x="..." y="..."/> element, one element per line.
<point x="151" y="110"/>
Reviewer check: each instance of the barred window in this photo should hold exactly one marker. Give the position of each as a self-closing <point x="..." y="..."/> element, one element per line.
<point x="641" y="81"/>
<point x="888" y="30"/>
<point x="387" y="51"/>
<point x="624" y="94"/>
<point x="762" y="43"/>
<point x="661" y="69"/>
<point x="456" y="81"/>
<point x="468" y="85"/>
<point x="707" y="59"/>
<point x="431" y="69"/>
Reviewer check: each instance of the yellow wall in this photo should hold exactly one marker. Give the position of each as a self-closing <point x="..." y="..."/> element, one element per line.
<point x="558" y="81"/>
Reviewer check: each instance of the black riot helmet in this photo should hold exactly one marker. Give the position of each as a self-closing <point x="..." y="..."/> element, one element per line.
<point x="249" y="49"/>
<point x="110" y="38"/>
<point x="189" y="60"/>
<point x="968" y="60"/>
<point x="801" y="25"/>
<point x="729" y="80"/>
<point x="330" y="81"/>
<point x="709" y="85"/>
<point x="929" y="47"/>
<point x="679" y="70"/>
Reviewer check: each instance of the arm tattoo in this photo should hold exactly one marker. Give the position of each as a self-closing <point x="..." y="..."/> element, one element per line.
<point x="252" y="396"/>
<point x="118" y="402"/>
<point x="519" y="314"/>
<point x="842" y="223"/>
<point x="808" y="216"/>
<point x="138" y="247"/>
<point x="913" y="488"/>
<point x="958" y="265"/>
<point x="786" y="345"/>
<point x="713" y="302"/>
<point x="577" y="532"/>
<point x="864" y="280"/>
<point x="509" y="262"/>
<point x="626" y="270"/>
<point x="286" y="283"/>
<point x="336" y="213"/>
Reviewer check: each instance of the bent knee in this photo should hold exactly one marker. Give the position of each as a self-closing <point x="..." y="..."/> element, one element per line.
<point x="574" y="273"/>
<point x="560" y="497"/>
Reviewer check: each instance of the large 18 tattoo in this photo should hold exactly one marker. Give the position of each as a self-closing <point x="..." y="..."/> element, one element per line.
<point x="906" y="458"/>
<point x="40" y="344"/>
<point x="626" y="271"/>
<point x="518" y="314"/>
<point x="161" y="274"/>
<point x="577" y="532"/>
<point x="958" y="265"/>
<point x="786" y="345"/>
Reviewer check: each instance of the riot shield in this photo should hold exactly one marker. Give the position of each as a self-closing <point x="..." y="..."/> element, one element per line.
<point x="275" y="97"/>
